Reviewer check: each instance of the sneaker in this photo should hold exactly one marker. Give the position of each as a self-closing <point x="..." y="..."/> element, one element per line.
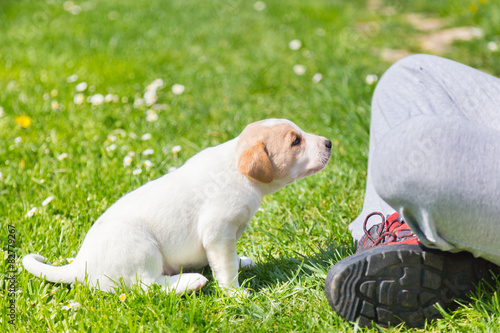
<point x="393" y="278"/>
<point x="392" y="230"/>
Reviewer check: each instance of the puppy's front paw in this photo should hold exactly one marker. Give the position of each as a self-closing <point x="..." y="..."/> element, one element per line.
<point x="246" y="262"/>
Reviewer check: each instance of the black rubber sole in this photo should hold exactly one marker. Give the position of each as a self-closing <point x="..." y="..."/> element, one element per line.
<point x="402" y="283"/>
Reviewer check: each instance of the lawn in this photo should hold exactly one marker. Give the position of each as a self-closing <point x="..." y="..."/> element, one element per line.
<point x="98" y="97"/>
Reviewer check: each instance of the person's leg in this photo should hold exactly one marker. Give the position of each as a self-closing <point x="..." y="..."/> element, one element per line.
<point x="424" y="85"/>
<point x="444" y="179"/>
<point x="432" y="124"/>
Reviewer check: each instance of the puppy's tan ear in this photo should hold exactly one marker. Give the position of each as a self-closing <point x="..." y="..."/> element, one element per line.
<point x="255" y="164"/>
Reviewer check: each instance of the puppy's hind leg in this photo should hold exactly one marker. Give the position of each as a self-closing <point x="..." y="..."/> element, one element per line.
<point x="185" y="282"/>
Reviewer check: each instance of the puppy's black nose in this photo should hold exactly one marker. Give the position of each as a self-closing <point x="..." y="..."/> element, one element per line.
<point x="328" y="144"/>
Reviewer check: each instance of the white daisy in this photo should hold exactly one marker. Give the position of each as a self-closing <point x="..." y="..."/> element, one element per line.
<point x="150" y="97"/>
<point x="97" y="99"/>
<point x="295" y="44"/>
<point x="146" y="136"/>
<point x="108" y="98"/>
<point x="299" y="69"/>
<point x="157" y="84"/>
<point x="78" y="99"/>
<point x="82" y="86"/>
<point x="111" y="148"/>
<point x="47" y="201"/>
<point x="317" y="77"/>
<point x="178" y="89"/>
<point x="127" y="160"/>
<point x="31" y="212"/>
<point x="63" y="156"/>
<point x="137" y="171"/>
<point x="148" y="152"/>
<point x="371" y="79"/>
<point x="151" y="116"/>
<point x="72" y="305"/>
<point x="492" y="46"/>
<point x="72" y="78"/>
<point x="176" y="149"/>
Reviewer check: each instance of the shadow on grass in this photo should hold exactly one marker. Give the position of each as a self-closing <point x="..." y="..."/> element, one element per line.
<point x="283" y="270"/>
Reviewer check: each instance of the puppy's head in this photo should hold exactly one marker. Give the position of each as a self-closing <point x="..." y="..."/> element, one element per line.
<point x="277" y="150"/>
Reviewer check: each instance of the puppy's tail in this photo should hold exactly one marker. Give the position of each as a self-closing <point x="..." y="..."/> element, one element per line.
<point x="35" y="264"/>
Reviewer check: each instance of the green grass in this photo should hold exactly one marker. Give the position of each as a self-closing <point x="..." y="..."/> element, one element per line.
<point x="236" y="66"/>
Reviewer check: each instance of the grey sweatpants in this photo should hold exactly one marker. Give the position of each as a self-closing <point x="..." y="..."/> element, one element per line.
<point x="435" y="154"/>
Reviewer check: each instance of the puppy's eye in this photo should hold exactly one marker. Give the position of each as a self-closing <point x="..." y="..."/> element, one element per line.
<point x="296" y="142"/>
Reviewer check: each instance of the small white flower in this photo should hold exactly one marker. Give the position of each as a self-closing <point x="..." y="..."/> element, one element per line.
<point x="131" y="154"/>
<point x="371" y="79"/>
<point x="492" y="46"/>
<point x="156" y="84"/>
<point x="137" y="171"/>
<point x="148" y="152"/>
<point x="178" y="89"/>
<point x="72" y="305"/>
<point x="146" y="136"/>
<point x="147" y="164"/>
<point x="78" y="99"/>
<point x="127" y="160"/>
<point x="176" y="149"/>
<point x="1" y="176"/>
<point x="18" y="140"/>
<point x="317" y="77"/>
<point x="151" y="116"/>
<point x="138" y="102"/>
<point x="72" y="78"/>
<point x="259" y="6"/>
<point x="108" y="98"/>
<point x="299" y="69"/>
<point x="295" y="44"/>
<point x="97" y="99"/>
<point x="111" y="138"/>
<point x="70" y="260"/>
<point x="82" y="86"/>
<point x="63" y="156"/>
<point x="54" y="93"/>
<point x="1" y="112"/>
<point x="31" y="212"/>
<point x="171" y="169"/>
<point x="150" y="97"/>
<point x="47" y="201"/>
<point x="54" y="105"/>
<point x="111" y="148"/>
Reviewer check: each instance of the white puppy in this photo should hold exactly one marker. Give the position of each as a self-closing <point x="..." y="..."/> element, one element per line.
<point x="193" y="216"/>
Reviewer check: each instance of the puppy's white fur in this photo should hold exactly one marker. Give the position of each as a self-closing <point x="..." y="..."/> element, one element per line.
<point x="193" y="216"/>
